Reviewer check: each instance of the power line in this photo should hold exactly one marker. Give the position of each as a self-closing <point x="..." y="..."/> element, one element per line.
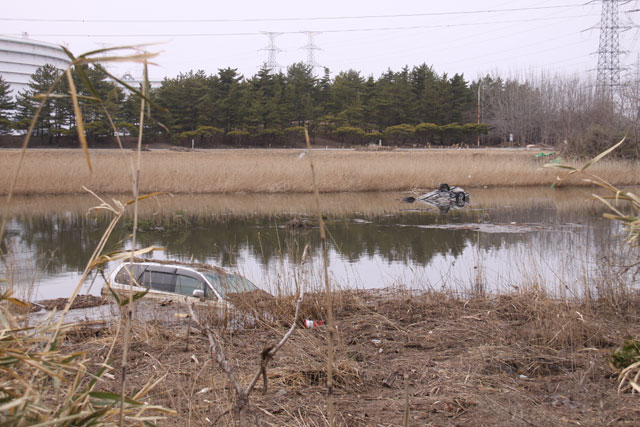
<point x="320" y="18"/>
<point x="484" y="58"/>
<point x="451" y="46"/>
<point x="343" y="30"/>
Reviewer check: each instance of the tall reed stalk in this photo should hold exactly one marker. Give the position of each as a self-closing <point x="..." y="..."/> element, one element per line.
<point x="83" y="404"/>
<point x="616" y="202"/>
<point x="136" y="190"/>
<point x="327" y="284"/>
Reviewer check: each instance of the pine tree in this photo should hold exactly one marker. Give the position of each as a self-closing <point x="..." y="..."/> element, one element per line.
<point x="7" y="105"/>
<point x="111" y="96"/>
<point x="346" y="100"/>
<point x="230" y="101"/>
<point x="300" y="92"/>
<point x="56" y="115"/>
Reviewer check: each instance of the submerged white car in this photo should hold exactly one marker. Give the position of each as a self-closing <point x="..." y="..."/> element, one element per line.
<point x="176" y="281"/>
<point x="445" y="194"/>
<point x="444" y="198"/>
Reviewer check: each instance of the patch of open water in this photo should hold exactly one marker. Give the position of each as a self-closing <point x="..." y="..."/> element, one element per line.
<point x="505" y="239"/>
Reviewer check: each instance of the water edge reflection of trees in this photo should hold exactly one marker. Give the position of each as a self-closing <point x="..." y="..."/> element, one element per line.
<point x="65" y="242"/>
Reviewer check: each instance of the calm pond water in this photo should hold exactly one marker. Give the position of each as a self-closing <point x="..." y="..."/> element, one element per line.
<point x="505" y="239"/>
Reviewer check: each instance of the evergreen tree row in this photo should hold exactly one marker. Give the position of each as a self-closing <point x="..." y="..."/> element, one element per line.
<point x="416" y="106"/>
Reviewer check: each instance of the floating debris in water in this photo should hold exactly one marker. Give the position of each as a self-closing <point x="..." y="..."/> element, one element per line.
<point x="299" y="223"/>
<point x="488" y="228"/>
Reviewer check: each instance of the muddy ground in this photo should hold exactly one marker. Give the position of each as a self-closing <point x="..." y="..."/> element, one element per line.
<point x="510" y="360"/>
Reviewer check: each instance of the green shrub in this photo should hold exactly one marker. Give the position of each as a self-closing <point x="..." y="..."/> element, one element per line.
<point x="427" y="132"/>
<point x="188" y="134"/>
<point x="400" y="134"/>
<point x="269" y="137"/>
<point x="626" y="355"/>
<point x="208" y="131"/>
<point x="238" y="133"/>
<point x="452" y="133"/>
<point x="350" y="134"/>
<point x="294" y="131"/>
<point x="237" y="137"/>
<point x="372" y="137"/>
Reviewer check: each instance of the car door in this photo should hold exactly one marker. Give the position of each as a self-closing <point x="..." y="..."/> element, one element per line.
<point x="187" y="282"/>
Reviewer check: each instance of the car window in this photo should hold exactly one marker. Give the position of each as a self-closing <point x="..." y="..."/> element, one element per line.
<point x="185" y="285"/>
<point x="123" y="275"/>
<point x="159" y="280"/>
<point x="226" y="284"/>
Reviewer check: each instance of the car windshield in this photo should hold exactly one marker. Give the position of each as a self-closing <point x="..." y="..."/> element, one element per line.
<point x="226" y="284"/>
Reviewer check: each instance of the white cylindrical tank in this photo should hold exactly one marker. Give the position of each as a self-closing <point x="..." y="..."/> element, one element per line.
<point x="20" y="58"/>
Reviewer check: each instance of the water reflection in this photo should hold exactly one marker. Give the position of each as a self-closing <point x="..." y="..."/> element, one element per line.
<point x="374" y="239"/>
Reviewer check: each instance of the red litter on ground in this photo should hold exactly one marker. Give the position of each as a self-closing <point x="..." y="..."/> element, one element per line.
<point x="313" y="323"/>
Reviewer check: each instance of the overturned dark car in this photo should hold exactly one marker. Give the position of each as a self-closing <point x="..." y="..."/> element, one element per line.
<point x="444" y="198"/>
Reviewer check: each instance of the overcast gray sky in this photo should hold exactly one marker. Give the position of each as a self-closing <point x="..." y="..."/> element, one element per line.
<point x="465" y="36"/>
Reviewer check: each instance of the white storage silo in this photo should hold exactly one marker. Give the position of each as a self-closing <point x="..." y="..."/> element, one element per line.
<point x="21" y="57"/>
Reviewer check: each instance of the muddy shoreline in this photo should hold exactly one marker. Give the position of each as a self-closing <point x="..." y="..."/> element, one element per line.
<point x="507" y="360"/>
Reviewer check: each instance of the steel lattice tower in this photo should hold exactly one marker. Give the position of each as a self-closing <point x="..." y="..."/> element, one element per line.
<point x="271" y="63"/>
<point x="608" y="74"/>
<point x="311" y="47"/>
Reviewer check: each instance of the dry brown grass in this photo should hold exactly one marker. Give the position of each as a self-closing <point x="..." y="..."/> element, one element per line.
<point x="282" y="171"/>
<point x="520" y="359"/>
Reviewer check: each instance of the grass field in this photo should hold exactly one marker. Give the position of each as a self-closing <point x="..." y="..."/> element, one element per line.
<point x="285" y="171"/>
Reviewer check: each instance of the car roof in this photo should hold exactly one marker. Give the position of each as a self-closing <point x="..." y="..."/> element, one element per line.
<point x="190" y="265"/>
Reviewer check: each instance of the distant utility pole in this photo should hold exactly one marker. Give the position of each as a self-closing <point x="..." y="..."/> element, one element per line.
<point x="272" y="49"/>
<point x="311" y="48"/>
<point x="608" y="74"/>
<point x="479" y="111"/>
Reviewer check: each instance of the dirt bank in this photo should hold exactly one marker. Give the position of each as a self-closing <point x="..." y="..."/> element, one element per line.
<point x="510" y="360"/>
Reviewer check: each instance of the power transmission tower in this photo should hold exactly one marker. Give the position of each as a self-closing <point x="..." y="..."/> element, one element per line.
<point x="608" y="73"/>
<point x="272" y="64"/>
<point x="311" y="47"/>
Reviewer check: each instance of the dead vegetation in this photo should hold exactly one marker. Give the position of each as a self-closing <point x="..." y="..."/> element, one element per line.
<point x="81" y="301"/>
<point x="505" y="360"/>
<point x="282" y="171"/>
